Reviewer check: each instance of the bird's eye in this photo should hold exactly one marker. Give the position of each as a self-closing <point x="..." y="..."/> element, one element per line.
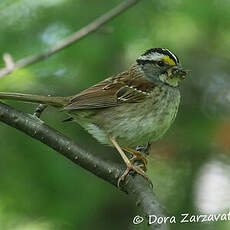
<point x="160" y="63"/>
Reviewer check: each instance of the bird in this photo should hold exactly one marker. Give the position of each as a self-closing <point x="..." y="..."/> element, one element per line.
<point x="128" y="109"/>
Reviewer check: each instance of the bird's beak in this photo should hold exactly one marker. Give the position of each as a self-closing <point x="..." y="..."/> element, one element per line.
<point x="177" y="71"/>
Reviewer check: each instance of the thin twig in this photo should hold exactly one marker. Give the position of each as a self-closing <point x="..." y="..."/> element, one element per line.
<point x="39" y="110"/>
<point x="136" y="186"/>
<point x="8" y="61"/>
<point x="83" y="32"/>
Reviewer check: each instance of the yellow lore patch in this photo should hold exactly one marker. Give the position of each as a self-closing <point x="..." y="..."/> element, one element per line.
<point x="168" y="60"/>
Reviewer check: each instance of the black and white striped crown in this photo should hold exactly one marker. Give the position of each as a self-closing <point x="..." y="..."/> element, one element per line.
<point x="157" y="53"/>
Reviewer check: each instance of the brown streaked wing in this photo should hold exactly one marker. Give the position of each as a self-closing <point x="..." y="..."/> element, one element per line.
<point x="111" y="92"/>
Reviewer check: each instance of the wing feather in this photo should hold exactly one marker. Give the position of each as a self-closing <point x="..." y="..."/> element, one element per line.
<point x="113" y="91"/>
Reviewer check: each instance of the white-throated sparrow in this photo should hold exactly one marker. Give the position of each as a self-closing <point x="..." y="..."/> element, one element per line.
<point x="128" y="109"/>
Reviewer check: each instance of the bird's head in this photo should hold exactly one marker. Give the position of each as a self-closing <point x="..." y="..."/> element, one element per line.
<point x="161" y="65"/>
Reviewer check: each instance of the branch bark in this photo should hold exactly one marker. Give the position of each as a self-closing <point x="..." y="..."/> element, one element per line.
<point x="136" y="186"/>
<point x="83" y="32"/>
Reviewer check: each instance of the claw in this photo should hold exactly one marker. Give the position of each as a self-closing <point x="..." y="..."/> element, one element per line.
<point x="129" y="164"/>
<point x="137" y="169"/>
<point x="134" y="159"/>
<point x="138" y="156"/>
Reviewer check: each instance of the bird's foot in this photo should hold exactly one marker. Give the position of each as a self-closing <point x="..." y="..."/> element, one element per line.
<point x="137" y="169"/>
<point x="144" y="148"/>
<point x="137" y="157"/>
<point x="130" y="166"/>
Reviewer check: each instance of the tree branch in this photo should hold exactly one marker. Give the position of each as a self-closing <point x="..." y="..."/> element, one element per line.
<point x="83" y="32"/>
<point x="136" y="186"/>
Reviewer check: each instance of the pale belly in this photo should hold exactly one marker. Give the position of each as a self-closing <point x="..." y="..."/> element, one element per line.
<point x="135" y="124"/>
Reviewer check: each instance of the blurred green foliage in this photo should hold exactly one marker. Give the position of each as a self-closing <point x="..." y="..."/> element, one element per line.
<point x="41" y="190"/>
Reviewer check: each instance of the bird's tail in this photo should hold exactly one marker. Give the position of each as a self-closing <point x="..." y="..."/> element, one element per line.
<point x="53" y="101"/>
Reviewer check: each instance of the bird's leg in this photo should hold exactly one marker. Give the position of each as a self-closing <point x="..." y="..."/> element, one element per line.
<point x="144" y="148"/>
<point x="137" y="156"/>
<point x="129" y="164"/>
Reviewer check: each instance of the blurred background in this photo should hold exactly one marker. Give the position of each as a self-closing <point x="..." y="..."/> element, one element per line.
<point x="189" y="166"/>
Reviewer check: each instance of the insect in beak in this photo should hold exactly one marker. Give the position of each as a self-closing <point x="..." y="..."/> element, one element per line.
<point x="177" y="71"/>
